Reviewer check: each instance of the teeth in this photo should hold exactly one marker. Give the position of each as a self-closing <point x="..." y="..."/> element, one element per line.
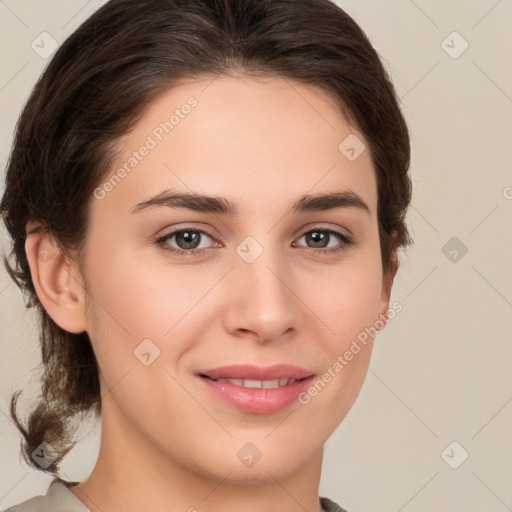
<point x="250" y="383"/>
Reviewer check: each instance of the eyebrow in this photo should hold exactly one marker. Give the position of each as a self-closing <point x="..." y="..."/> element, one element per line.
<point x="221" y="205"/>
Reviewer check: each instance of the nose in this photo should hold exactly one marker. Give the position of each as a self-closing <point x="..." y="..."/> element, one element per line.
<point x="261" y="303"/>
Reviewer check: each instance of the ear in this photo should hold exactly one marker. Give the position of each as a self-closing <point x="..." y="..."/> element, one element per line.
<point x="387" y="284"/>
<point x="56" y="279"/>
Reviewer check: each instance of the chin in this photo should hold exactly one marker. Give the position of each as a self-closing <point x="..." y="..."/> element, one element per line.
<point x="240" y="462"/>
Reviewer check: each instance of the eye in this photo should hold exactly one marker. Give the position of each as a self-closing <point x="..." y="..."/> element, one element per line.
<point x="320" y="238"/>
<point x="187" y="239"/>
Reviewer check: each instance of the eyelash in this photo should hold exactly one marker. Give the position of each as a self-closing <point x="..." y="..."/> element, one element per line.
<point x="161" y="241"/>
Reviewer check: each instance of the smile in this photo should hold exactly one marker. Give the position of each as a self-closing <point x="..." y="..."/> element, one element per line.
<point x="256" y="389"/>
<point x="251" y="383"/>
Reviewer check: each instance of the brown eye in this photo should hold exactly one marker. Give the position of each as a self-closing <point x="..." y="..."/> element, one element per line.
<point x="187" y="241"/>
<point x="319" y="239"/>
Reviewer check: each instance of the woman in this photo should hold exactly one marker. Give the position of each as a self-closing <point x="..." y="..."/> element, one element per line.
<point x="206" y="200"/>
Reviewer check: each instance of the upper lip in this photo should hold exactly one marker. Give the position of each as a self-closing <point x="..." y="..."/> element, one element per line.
<point x="248" y="371"/>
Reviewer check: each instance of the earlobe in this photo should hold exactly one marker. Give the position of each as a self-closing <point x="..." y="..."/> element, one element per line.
<point x="56" y="279"/>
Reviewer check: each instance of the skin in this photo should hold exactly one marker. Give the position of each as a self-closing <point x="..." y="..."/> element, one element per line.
<point x="165" y="439"/>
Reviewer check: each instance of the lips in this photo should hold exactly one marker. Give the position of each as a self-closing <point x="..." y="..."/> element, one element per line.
<point x="261" y="373"/>
<point x="257" y="389"/>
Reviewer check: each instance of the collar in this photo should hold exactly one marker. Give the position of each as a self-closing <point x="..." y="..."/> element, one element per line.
<point x="60" y="499"/>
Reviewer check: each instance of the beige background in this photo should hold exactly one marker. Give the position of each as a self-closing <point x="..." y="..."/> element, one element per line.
<point x="441" y="370"/>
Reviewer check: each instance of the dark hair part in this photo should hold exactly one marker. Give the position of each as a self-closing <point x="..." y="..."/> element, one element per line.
<point x="96" y="88"/>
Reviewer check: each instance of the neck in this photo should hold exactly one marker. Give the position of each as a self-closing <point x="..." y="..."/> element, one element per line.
<point x="132" y="474"/>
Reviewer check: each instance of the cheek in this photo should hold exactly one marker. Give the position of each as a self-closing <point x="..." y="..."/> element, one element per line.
<point x="349" y="306"/>
<point x="132" y="296"/>
<point x="135" y="300"/>
<point x="348" y="299"/>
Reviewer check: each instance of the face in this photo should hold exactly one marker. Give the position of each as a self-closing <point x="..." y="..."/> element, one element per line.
<point x="260" y="287"/>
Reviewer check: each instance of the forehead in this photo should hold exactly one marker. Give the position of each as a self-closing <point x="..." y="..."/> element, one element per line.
<point x="263" y="141"/>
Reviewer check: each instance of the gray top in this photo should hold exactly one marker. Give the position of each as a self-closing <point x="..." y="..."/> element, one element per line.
<point x="59" y="498"/>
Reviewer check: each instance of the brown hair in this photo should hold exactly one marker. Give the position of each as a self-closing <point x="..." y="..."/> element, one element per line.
<point x="96" y="88"/>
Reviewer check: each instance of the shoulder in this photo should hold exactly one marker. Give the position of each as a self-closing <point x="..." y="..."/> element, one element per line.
<point x="35" y="504"/>
<point x="330" y="506"/>
<point x="58" y="498"/>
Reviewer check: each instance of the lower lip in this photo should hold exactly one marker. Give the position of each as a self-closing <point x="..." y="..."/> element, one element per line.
<point x="257" y="400"/>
